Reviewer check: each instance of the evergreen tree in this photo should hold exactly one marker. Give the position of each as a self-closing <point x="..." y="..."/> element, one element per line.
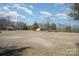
<point x="75" y="11"/>
<point x="34" y="26"/>
<point x="53" y="26"/>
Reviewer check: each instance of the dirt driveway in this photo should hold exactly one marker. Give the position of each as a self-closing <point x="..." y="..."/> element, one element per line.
<point x="42" y="43"/>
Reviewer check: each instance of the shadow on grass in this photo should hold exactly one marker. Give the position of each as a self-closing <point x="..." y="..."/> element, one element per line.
<point x="11" y="51"/>
<point x="0" y="32"/>
<point x="77" y="45"/>
<point x="77" y="49"/>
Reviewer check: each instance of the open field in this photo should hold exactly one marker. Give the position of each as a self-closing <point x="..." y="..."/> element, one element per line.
<point x="42" y="43"/>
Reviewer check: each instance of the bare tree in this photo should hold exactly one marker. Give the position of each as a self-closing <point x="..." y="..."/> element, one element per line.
<point x="4" y="23"/>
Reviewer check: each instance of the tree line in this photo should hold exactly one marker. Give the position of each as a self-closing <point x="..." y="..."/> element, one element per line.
<point x="7" y="24"/>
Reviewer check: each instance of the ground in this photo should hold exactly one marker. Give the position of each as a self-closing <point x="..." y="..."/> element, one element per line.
<point x="42" y="43"/>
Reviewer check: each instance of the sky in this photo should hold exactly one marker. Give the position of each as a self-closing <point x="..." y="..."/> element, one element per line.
<point x="38" y="12"/>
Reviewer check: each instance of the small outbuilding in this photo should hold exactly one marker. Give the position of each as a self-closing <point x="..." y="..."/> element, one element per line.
<point x="38" y="29"/>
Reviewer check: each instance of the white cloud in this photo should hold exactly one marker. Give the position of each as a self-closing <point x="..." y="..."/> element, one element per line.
<point x="17" y="4"/>
<point x="12" y="13"/>
<point x="46" y="14"/>
<point x="6" y="8"/>
<point x="27" y="10"/>
<point x="5" y="11"/>
<point x="67" y="10"/>
<point x="62" y="15"/>
<point x="22" y="16"/>
<point x="16" y="15"/>
<point x="31" y="6"/>
<point x="58" y="4"/>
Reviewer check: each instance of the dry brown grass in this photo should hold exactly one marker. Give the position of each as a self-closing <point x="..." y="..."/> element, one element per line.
<point x="42" y="43"/>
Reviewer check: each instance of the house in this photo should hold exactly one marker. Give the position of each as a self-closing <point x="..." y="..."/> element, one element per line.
<point x="43" y="28"/>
